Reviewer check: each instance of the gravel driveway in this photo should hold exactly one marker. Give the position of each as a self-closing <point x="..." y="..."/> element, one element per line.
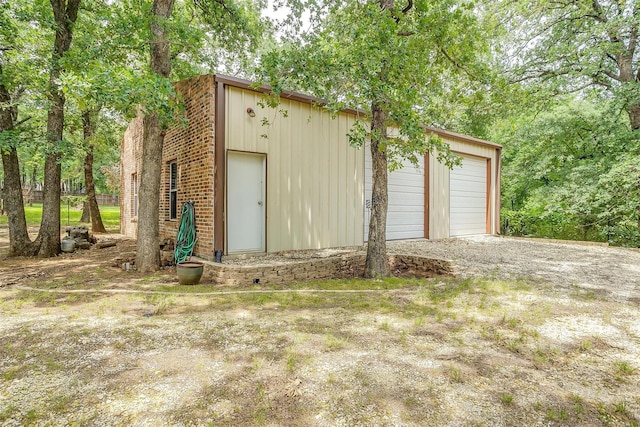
<point x="613" y="271"/>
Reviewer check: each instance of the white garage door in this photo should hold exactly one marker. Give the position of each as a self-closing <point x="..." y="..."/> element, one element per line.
<point x="405" y="216"/>
<point x="468" y="197"/>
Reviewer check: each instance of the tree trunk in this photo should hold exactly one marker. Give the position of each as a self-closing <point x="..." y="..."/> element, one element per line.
<point x="32" y="185"/>
<point x="634" y="116"/>
<point x="377" y="263"/>
<point x="89" y="127"/>
<point x="65" y="15"/>
<point x="148" y="244"/>
<point x="19" y="242"/>
<point x="50" y="225"/>
<point x="86" y="215"/>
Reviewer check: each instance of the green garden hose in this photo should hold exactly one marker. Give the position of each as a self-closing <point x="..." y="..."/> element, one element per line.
<point x="186" y="239"/>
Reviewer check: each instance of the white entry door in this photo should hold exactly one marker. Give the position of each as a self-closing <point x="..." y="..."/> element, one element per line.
<point x="246" y="202"/>
<point x="468" y="197"/>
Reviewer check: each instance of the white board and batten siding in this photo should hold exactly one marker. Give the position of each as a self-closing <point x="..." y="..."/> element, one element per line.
<point x="314" y="179"/>
<point x="405" y="214"/>
<point x="317" y="186"/>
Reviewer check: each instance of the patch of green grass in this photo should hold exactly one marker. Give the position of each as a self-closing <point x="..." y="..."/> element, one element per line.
<point x="334" y="343"/>
<point x="43" y="298"/>
<point x="543" y="356"/>
<point x="514" y="346"/>
<point x="510" y="322"/>
<point x="585" y="346"/>
<point x="578" y="406"/>
<point x="411" y="402"/>
<point x="52" y="284"/>
<point x="455" y="374"/>
<point x="59" y="403"/>
<point x="53" y="299"/>
<point x="624" y="368"/>
<point x="362" y="377"/>
<point x="621" y="408"/>
<point x="419" y="321"/>
<point x="151" y="278"/>
<point x="583" y="294"/>
<point x="522" y="285"/>
<point x="443" y="290"/>
<point x="557" y="415"/>
<point x="30" y="417"/>
<point x="262" y="409"/>
<point x="388" y="283"/>
<point x="8" y="412"/>
<point x="403" y="338"/>
<point x="257" y="363"/>
<point x="33" y="214"/>
<point x="382" y="303"/>
<point x="161" y="303"/>
<point x="506" y="398"/>
<point x="13" y="373"/>
<point x="603" y="414"/>
<point x="431" y="298"/>
<point x="293" y="360"/>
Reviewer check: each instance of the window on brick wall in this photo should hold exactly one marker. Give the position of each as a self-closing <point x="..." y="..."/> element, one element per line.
<point x="173" y="190"/>
<point x="134" y="194"/>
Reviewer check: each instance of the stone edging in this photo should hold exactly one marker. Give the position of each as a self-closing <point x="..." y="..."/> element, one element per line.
<point x="335" y="267"/>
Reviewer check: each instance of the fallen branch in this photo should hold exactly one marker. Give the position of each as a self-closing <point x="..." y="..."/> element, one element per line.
<point x="105" y="244"/>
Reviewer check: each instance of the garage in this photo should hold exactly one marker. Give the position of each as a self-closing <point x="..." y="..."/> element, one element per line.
<point x="315" y="190"/>
<point x="468" y="197"/>
<point x="405" y="214"/>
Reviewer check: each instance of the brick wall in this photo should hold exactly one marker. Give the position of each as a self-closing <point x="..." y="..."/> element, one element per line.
<point x="192" y="148"/>
<point x="339" y="267"/>
<point x="130" y="162"/>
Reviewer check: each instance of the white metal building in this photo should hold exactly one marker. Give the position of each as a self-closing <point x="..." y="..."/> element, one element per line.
<point x="295" y="183"/>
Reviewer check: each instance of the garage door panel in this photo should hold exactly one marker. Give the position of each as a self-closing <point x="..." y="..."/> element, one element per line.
<point x="468" y="203"/>
<point x="468" y="184"/>
<point x="468" y="168"/>
<point x="403" y="232"/>
<point x="468" y="181"/>
<point x="468" y="217"/>
<point x="403" y="218"/>
<point x="467" y="231"/>
<point x="468" y="197"/>
<point x="404" y="200"/>
<point x="405" y="214"/>
<point x="401" y="182"/>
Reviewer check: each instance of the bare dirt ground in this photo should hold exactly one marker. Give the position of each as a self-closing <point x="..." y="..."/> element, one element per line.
<point x="532" y="333"/>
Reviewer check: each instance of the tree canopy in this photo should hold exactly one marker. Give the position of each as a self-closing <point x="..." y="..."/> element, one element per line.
<point x="395" y="62"/>
<point x="547" y="79"/>
<point x="568" y="45"/>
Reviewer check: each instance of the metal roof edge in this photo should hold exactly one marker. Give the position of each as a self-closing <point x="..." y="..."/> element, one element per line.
<point x="461" y="137"/>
